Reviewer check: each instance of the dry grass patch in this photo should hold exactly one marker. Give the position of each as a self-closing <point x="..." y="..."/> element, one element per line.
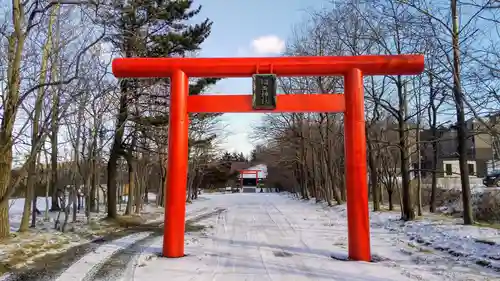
<point x="28" y="248"/>
<point x="124" y="221"/>
<point x="23" y="249"/>
<point x="194" y="227"/>
<point x="487" y="224"/>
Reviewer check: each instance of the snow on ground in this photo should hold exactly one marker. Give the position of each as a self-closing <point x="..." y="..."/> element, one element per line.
<point x="23" y="248"/>
<point x="82" y="269"/>
<point x="467" y="244"/>
<point x="274" y="237"/>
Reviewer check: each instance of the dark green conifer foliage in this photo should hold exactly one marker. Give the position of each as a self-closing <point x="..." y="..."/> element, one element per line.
<point x="149" y="28"/>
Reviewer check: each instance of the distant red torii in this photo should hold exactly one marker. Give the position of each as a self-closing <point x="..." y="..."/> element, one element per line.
<point x="249" y="172"/>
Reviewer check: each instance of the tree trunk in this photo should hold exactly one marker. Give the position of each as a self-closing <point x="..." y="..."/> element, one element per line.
<point x="138" y="193"/>
<point x="15" y="50"/>
<point x="146" y="193"/>
<point x="435" y="144"/>
<point x="116" y="149"/>
<point x="435" y="155"/>
<point x="315" y="176"/>
<point x="54" y="129"/>
<point x="5" y="173"/>
<point x="53" y="172"/>
<point x="390" y="199"/>
<point x="131" y="188"/>
<point x="191" y="174"/>
<point x="408" y="212"/>
<point x="374" y="180"/>
<point x="98" y="171"/>
<point x="28" y="199"/>
<point x="461" y="123"/>
<point x="160" y="197"/>
<point x="75" y="203"/>
<point x="34" y="211"/>
<point x="91" y="196"/>
<point x="419" y="161"/>
<point x="47" y="187"/>
<point x="93" y="189"/>
<point x="111" y="192"/>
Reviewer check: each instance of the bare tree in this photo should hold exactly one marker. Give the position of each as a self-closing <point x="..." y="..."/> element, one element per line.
<point x="25" y="20"/>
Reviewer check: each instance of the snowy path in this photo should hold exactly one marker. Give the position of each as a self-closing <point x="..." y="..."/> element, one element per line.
<point x="88" y="261"/>
<point x="89" y="267"/>
<point x="271" y="237"/>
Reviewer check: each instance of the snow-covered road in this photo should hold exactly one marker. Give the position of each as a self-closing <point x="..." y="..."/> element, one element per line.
<point x="272" y="237"/>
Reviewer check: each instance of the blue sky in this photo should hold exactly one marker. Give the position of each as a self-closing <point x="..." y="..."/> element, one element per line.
<point x="248" y="28"/>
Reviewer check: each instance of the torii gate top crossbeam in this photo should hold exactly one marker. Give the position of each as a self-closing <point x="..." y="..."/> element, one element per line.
<point x="282" y="66"/>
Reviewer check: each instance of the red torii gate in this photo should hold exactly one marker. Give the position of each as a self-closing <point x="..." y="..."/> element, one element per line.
<point x="352" y="68"/>
<point x="249" y="172"/>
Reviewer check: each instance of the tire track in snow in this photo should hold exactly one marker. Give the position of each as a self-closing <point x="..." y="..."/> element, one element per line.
<point x="265" y="237"/>
<point x="130" y="270"/>
<point x="224" y="259"/>
<point x="125" y="260"/>
<point x="114" y="265"/>
<point x="52" y="266"/>
<point x="230" y="249"/>
<point x="301" y="266"/>
<point x="220" y="220"/>
<point x="94" y="258"/>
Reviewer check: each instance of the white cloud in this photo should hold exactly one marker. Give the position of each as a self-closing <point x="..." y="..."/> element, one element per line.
<point x="268" y="45"/>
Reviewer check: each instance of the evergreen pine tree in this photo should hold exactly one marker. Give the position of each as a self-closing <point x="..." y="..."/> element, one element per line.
<point x="149" y="28"/>
<point x="253" y="155"/>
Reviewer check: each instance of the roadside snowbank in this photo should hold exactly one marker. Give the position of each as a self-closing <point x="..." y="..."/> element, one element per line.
<point x="24" y="248"/>
<point x="441" y="234"/>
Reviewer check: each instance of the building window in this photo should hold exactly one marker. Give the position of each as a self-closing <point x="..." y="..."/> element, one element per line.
<point x="448" y="169"/>
<point x="471" y="169"/>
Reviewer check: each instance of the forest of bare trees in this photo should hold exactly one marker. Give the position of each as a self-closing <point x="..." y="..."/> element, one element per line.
<point x="72" y="132"/>
<point x="460" y="83"/>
